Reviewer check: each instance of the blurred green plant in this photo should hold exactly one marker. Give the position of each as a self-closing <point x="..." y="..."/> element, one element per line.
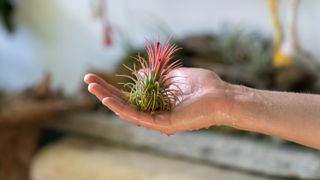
<point x="249" y="54"/>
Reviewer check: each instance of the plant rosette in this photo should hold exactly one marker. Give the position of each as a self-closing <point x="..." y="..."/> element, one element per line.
<point x="152" y="89"/>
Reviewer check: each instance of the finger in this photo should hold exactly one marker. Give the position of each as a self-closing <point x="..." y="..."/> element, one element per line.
<point x="92" y="78"/>
<point x="101" y="92"/>
<point x="129" y="113"/>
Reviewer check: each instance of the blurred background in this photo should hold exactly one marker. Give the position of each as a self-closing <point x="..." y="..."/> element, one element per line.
<point x="51" y="128"/>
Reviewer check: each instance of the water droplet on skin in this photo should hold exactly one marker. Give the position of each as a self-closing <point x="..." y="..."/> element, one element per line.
<point x="162" y="133"/>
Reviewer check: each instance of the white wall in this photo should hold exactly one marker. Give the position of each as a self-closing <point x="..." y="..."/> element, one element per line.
<point x="61" y="37"/>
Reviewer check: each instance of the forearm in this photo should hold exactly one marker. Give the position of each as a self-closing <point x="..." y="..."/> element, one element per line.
<point x="291" y="116"/>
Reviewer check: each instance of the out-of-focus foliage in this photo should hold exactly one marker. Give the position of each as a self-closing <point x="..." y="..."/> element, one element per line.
<point x="7" y="13"/>
<point x="245" y="57"/>
<point x="237" y="56"/>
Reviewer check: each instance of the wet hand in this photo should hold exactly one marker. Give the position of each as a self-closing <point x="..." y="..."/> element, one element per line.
<point x="203" y="102"/>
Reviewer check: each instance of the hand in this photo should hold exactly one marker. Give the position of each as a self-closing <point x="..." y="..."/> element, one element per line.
<point x="203" y="103"/>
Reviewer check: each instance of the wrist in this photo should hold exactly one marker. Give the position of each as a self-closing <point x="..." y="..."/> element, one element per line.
<point x="242" y="102"/>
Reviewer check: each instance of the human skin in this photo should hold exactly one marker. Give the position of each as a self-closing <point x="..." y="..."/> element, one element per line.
<point x="206" y="100"/>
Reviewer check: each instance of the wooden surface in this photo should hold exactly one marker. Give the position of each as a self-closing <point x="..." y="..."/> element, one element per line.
<point x="22" y="116"/>
<point x="79" y="158"/>
<point x="212" y="148"/>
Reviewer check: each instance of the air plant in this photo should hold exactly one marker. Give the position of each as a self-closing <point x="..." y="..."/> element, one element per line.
<point x="151" y="88"/>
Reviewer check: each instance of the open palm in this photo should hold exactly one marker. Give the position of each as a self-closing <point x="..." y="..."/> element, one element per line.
<point x="203" y="102"/>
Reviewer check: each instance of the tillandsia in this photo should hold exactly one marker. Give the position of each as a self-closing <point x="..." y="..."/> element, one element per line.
<point x="152" y="88"/>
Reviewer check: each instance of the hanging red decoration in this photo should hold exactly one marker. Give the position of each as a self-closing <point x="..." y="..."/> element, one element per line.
<point x="99" y="11"/>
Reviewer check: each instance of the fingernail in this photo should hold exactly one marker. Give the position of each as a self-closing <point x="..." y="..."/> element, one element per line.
<point x="90" y="87"/>
<point x="104" y="100"/>
<point x="85" y="79"/>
